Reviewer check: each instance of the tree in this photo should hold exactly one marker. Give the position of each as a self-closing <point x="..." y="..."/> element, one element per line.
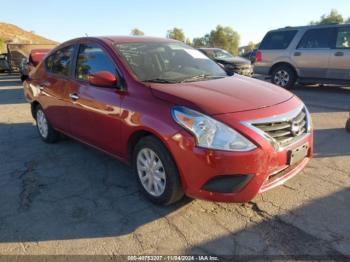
<point x="201" y="41"/>
<point x="332" y="17"/>
<point x="225" y="38"/>
<point x="137" y="32"/>
<point x="250" y="47"/>
<point x="188" y="41"/>
<point x="177" y="34"/>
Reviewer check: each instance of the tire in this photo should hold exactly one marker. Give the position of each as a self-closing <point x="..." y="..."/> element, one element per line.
<point x="163" y="175"/>
<point x="283" y="76"/>
<point x="347" y="126"/>
<point x="46" y="132"/>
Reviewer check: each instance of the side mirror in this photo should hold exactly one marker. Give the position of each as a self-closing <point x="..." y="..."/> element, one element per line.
<point x="104" y="79"/>
<point x="229" y="70"/>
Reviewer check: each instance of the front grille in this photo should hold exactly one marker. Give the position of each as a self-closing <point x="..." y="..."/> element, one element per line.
<point x="286" y="130"/>
<point x="244" y="69"/>
<point x="242" y="66"/>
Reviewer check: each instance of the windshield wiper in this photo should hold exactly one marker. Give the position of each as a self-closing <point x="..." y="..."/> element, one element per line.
<point x="159" y="80"/>
<point x="199" y="77"/>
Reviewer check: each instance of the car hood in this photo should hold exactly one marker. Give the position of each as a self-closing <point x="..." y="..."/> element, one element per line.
<point x="219" y="96"/>
<point x="235" y="60"/>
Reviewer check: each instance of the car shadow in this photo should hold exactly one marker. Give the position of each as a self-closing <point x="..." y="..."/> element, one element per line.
<point x="10" y="79"/>
<point x="317" y="230"/>
<point x="331" y="142"/>
<point x="66" y="190"/>
<point x="324" y="88"/>
<point x="11" y="91"/>
<point x="11" y="96"/>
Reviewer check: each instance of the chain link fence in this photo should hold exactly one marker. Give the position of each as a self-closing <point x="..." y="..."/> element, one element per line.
<point x="17" y="53"/>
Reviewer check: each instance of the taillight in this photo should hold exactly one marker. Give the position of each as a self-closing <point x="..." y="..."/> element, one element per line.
<point x="258" y="56"/>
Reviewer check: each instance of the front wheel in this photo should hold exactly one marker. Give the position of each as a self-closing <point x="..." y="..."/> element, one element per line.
<point x="47" y="133"/>
<point x="156" y="172"/>
<point x="283" y="76"/>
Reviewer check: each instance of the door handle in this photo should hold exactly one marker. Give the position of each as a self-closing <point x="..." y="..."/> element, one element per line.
<point x="297" y="54"/>
<point x="339" y="53"/>
<point x="74" y="97"/>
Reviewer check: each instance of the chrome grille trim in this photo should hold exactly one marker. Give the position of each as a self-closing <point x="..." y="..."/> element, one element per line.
<point x="278" y="128"/>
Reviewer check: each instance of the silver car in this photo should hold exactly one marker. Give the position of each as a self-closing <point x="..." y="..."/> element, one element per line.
<point x="307" y="54"/>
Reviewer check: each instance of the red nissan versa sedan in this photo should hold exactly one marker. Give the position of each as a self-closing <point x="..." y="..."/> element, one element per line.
<point x="173" y="114"/>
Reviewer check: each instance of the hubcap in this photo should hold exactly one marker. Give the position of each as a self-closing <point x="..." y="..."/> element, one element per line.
<point x="281" y="78"/>
<point x="42" y="123"/>
<point x="151" y="172"/>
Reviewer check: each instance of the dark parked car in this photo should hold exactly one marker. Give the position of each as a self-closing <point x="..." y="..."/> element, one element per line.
<point x="173" y="114"/>
<point x="231" y="64"/>
<point x="4" y="65"/>
<point x="250" y="55"/>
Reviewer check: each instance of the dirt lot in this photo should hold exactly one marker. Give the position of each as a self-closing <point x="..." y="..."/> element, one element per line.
<point x="67" y="198"/>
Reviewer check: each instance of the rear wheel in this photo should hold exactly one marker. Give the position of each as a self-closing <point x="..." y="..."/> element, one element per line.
<point x="283" y="76"/>
<point x="156" y="172"/>
<point x="47" y="133"/>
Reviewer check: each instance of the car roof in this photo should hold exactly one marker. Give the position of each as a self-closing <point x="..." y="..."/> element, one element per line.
<point x="209" y="48"/>
<point x="125" y="39"/>
<point x="309" y="26"/>
<point x="115" y="39"/>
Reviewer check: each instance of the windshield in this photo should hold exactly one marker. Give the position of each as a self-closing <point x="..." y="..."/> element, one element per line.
<point x="168" y="62"/>
<point x="221" y="54"/>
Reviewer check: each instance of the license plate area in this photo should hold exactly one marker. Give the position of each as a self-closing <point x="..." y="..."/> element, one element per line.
<point x="297" y="154"/>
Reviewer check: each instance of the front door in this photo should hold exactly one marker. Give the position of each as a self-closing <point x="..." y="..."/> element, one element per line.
<point x="94" y="115"/>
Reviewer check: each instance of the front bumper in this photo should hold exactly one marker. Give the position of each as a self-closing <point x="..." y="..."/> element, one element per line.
<point x="245" y="70"/>
<point x="263" y="168"/>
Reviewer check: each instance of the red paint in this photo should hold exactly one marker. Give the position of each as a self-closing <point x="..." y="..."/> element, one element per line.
<point x="36" y="55"/>
<point x="106" y="118"/>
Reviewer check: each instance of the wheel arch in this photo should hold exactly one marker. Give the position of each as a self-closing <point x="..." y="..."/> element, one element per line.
<point x="278" y="64"/>
<point x="33" y="106"/>
<point x="137" y="135"/>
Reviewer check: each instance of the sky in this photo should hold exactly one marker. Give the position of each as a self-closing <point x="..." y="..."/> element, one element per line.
<point x="66" y="19"/>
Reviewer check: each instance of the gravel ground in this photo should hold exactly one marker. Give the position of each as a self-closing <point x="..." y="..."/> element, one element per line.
<point x="68" y="198"/>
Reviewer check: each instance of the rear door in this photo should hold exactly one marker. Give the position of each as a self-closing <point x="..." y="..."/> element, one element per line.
<point x="312" y="54"/>
<point x="94" y="114"/>
<point x="339" y="66"/>
<point x="53" y="94"/>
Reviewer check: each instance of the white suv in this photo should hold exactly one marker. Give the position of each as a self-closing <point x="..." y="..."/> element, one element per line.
<point x="307" y="54"/>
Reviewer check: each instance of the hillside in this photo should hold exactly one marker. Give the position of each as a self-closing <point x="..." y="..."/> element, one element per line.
<point x="15" y="34"/>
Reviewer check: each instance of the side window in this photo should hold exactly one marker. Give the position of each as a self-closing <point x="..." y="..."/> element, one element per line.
<point x="92" y="59"/>
<point x="317" y="38"/>
<point x="343" y="38"/>
<point x="210" y="54"/>
<point x="277" y="40"/>
<point x="60" y="62"/>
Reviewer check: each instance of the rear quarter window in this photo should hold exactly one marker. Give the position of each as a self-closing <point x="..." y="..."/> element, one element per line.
<point x="277" y="40"/>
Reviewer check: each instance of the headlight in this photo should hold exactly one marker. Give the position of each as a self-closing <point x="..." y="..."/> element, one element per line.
<point x="210" y="133"/>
